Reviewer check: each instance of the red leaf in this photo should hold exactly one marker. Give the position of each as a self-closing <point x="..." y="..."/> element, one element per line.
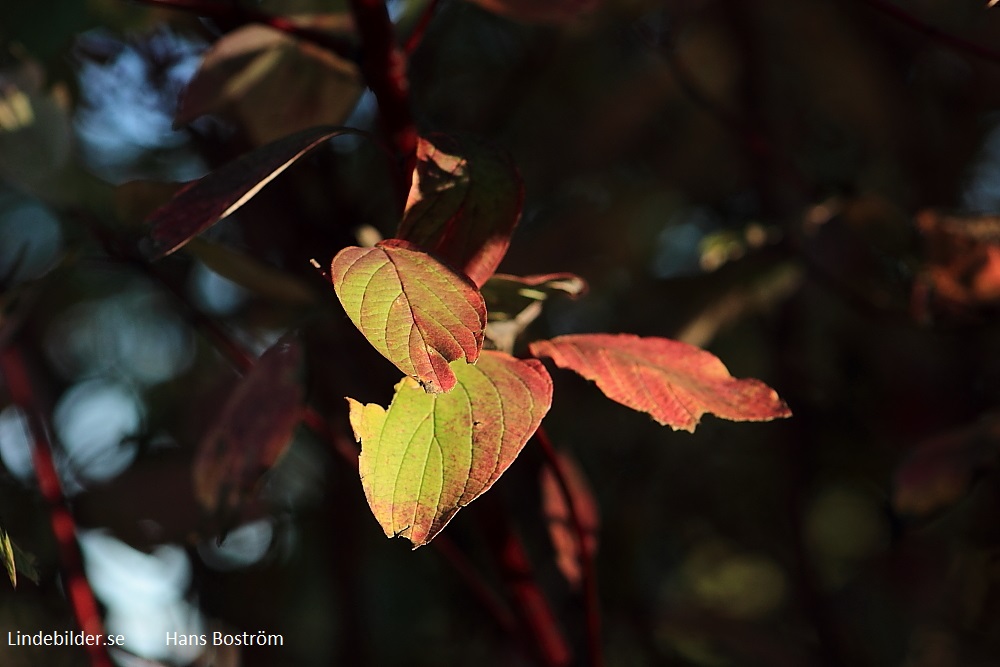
<point x="464" y="204"/>
<point x="252" y="430"/>
<point x="556" y="511"/>
<point x="674" y="382"/>
<point x="202" y="203"/>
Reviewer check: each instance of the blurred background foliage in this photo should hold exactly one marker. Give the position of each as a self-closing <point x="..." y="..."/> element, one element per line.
<point x="804" y="187"/>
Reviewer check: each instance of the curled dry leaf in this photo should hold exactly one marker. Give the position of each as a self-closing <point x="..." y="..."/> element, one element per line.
<point x="463" y="205"/>
<point x="674" y="382"/>
<point x="540" y="11"/>
<point x="414" y="310"/>
<point x="556" y="511"/>
<point x="202" y="203"/>
<point x="252" y="430"/>
<point x="245" y="74"/>
<point x="429" y="455"/>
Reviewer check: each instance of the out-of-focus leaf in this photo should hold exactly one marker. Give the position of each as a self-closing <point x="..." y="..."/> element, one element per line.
<point x="674" y="382"/>
<point x="556" y="511"/>
<point x="417" y="312"/>
<point x="272" y="83"/>
<point x="252" y="274"/>
<point x="429" y="455"/>
<point x="202" y="203"/>
<point x="941" y="470"/>
<point x="252" y="430"/>
<point x="962" y="271"/>
<point x="135" y="200"/>
<point x="539" y="11"/>
<point x="464" y="204"/>
<point x="7" y="553"/>
<point x="514" y="302"/>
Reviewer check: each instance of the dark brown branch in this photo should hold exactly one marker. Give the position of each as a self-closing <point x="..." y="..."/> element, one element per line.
<point x="81" y="597"/>
<point x="588" y="571"/>
<point x="241" y="16"/>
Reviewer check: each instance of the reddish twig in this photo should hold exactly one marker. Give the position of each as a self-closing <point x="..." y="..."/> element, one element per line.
<point x="952" y="41"/>
<point x="384" y="63"/>
<point x="232" y="12"/>
<point x="417" y="35"/>
<point x="588" y="571"/>
<point x="81" y="597"/>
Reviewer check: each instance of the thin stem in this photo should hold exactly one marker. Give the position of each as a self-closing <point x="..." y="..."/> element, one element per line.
<point x="242" y="15"/>
<point x="954" y="42"/>
<point x="414" y="39"/>
<point x="81" y="597"/>
<point x="588" y="571"/>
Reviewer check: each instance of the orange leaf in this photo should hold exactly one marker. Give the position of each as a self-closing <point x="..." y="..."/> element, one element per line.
<point x="412" y="308"/>
<point x="674" y="382"/>
<point x="556" y="511"/>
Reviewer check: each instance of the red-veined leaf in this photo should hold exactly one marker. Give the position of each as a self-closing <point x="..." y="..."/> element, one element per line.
<point x="416" y="311"/>
<point x="202" y="203"/>
<point x="556" y="511"/>
<point x="464" y="204"/>
<point x="429" y="455"/>
<point x="674" y="382"/>
<point x="252" y="430"/>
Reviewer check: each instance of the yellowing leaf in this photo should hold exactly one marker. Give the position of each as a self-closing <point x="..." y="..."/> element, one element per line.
<point x="674" y="382"/>
<point x="464" y="204"/>
<point x="413" y="309"/>
<point x="429" y="455"/>
<point x="7" y="553"/>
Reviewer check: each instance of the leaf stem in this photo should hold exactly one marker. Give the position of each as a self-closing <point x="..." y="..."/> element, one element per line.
<point x="81" y="596"/>
<point x="242" y="16"/>
<point x="588" y="570"/>
<point x="416" y="36"/>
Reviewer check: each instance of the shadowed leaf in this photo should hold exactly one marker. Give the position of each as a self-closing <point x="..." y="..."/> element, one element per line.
<point x="556" y="511"/>
<point x="539" y="11"/>
<point x="202" y="203"/>
<point x="249" y="272"/>
<point x="252" y="430"/>
<point x="429" y="455"/>
<point x="514" y="302"/>
<point x="674" y="382"/>
<point x="416" y="311"/>
<point x="464" y="204"/>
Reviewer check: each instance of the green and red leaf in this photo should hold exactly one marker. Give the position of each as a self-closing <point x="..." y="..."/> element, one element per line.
<point x="413" y="309"/>
<point x="674" y="382"/>
<point x="253" y="429"/>
<point x="463" y="205"/>
<point x="429" y="455"/>
<point x="202" y="203"/>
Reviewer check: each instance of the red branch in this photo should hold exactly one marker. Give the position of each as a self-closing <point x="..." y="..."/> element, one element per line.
<point x="81" y="597"/>
<point x="417" y="35"/>
<point x="588" y="571"/>
<point x="384" y="63"/>
<point x="242" y="16"/>
<point x="952" y="41"/>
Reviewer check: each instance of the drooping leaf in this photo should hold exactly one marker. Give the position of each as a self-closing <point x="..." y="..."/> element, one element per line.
<point x="674" y="382"/>
<point x="252" y="430"/>
<point x="7" y="553"/>
<point x="540" y="11"/>
<point x="464" y="204"/>
<point x="243" y="74"/>
<point x="556" y="511"/>
<point x="417" y="312"/>
<point x="514" y="302"/>
<point x="429" y="455"/>
<point x="202" y="203"/>
<point x="940" y="470"/>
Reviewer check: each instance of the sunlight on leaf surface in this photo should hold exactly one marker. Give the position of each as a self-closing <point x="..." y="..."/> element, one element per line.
<point x="674" y="382"/>
<point x="429" y="455"/>
<point x="413" y="309"/>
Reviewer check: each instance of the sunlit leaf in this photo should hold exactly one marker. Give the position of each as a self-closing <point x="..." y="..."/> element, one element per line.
<point x="674" y="382"/>
<point x="540" y="11"/>
<point x="202" y="203"/>
<point x="7" y="553"/>
<point x="252" y="430"/>
<point x="416" y="311"/>
<point x="247" y="70"/>
<point x="564" y="537"/>
<point x="429" y="455"/>
<point x="464" y="204"/>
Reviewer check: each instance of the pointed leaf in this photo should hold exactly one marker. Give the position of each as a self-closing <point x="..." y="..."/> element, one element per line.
<point x="464" y="204"/>
<point x="556" y="511"/>
<point x="7" y="554"/>
<point x="416" y="311"/>
<point x="252" y="430"/>
<point x="429" y="455"/>
<point x="202" y="203"/>
<point x="674" y="382"/>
